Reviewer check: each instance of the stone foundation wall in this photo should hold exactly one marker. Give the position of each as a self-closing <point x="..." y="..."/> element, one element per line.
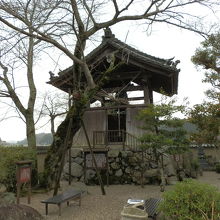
<point x="127" y="167"/>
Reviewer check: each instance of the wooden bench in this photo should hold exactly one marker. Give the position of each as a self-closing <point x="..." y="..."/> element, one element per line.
<point x="151" y="206"/>
<point x="66" y="196"/>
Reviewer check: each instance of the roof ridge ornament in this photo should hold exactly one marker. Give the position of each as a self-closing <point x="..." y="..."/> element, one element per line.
<point x="107" y="34"/>
<point x="171" y="62"/>
<point x="52" y="75"/>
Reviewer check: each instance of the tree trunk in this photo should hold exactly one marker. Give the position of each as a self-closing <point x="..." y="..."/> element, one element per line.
<point x="62" y="160"/>
<point x="52" y="129"/>
<point x="53" y="161"/>
<point x="163" y="179"/>
<point x="30" y="130"/>
<point x="57" y="149"/>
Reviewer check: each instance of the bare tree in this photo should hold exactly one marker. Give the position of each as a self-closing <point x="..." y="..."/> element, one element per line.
<point x="7" y="78"/>
<point x="83" y="19"/>
<point x="55" y="105"/>
<point x="18" y="56"/>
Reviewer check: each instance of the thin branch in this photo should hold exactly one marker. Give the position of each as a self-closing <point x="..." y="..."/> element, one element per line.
<point x="116" y="8"/>
<point x="203" y="34"/>
<point x="43" y="37"/>
<point x="4" y="94"/>
<point x="77" y="16"/>
<point x="89" y="11"/>
<point x="126" y="7"/>
<point x="11" y="90"/>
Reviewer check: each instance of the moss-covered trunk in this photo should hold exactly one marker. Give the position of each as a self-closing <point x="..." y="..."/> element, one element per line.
<point x="53" y="160"/>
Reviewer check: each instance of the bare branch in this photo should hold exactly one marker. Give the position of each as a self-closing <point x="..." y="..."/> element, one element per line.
<point x="43" y="37"/>
<point x="90" y="15"/>
<point x="77" y="17"/>
<point x="4" y="94"/>
<point x="126" y="7"/>
<point x="11" y="90"/>
<point x="116" y="8"/>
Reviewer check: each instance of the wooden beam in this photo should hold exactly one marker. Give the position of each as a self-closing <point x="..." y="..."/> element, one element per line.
<point x="133" y="73"/>
<point x="146" y="83"/>
<point x="127" y="89"/>
<point x="116" y="107"/>
<point x="136" y="98"/>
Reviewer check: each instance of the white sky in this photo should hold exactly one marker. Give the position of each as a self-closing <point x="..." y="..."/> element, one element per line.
<point x="164" y="42"/>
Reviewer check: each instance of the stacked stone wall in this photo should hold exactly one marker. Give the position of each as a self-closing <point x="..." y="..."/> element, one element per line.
<point x="127" y="167"/>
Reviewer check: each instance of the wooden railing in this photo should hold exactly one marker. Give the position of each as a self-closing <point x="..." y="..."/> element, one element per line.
<point x="132" y="142"/>
<point x="115" y="137"/>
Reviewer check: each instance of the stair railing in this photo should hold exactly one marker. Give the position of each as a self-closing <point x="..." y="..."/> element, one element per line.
<point x="116" y="137"/>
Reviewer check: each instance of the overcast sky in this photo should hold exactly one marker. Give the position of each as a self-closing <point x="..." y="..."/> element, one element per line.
<point x="164" y="42"/>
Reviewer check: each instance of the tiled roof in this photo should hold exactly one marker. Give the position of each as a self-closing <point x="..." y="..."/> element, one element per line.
<point x="144" y="57"/>
<point x="163" y="72"/>
<point x="167" y="64"/>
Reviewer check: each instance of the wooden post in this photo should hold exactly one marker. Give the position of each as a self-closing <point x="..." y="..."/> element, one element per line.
<point x="69" y="152"/>
<point x="147" y="92"/>
<point x="107" y="169"/>
<point x="18" y="192"/>
<point x="84" y="169"/>
<point x="70" y="170"/>
<point x="23" y="175"/>
<point x="93" y="158"/>
<point x="142" y="169"/>
<point x="65" y="146"/>
<point x="146" y="95"/>
<point x="123" y="138"/>
<point x="94" y="138"/>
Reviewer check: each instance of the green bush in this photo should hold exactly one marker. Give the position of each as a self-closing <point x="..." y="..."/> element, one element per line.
<point x="9" y="157"/>
<point x="217" y="168"/>
<point x="191" y="199"/>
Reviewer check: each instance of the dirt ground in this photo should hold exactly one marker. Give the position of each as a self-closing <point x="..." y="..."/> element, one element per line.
<point x="95" y="206"/>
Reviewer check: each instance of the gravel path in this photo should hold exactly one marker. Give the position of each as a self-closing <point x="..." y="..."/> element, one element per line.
<point x="97" y="207"/>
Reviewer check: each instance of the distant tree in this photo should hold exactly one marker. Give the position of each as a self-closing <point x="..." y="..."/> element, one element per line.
<point x="207" y="115"/>
<point x="54" y="105"/>
<point x="41" y="139"/>
<point x="9" y="90"/>
<point x="164" y="132"/>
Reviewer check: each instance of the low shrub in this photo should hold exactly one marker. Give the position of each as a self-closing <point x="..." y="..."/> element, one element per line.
<point x="193" y="200"/>
<point x="9" y="157"/>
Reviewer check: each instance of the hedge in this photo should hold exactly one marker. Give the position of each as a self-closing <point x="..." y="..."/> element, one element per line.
<point x="9" y="156"/>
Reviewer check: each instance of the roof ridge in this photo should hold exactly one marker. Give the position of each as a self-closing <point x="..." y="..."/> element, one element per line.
<point x="138" y="51"/>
